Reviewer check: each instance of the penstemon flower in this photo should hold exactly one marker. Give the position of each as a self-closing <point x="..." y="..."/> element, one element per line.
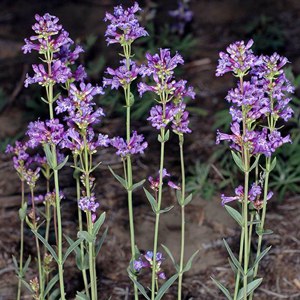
<point x="257" y="104"/>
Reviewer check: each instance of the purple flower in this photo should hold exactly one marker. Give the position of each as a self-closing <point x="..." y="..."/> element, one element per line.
<point x="32" y="176"/>
<point x="59" y="74"/>
<point x="154" y="183"/>
<point x="181" y="121"/>
<point x="238" y="59"/>
<point x="68" y="56"/>
<point x="50" y="132"/>
<point x="124" y="27"/>
<point x="122" y="76"/>
<point x="160" y="119"/>
<point x="161" y="66"/>
<point x="146" y="262"/>
<point x="239" y="195"/>
<point x="88" y="204"/>
<point x="136" y="145"/>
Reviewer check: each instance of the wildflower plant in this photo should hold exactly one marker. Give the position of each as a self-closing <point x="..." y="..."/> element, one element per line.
<point x="259" y="108"/>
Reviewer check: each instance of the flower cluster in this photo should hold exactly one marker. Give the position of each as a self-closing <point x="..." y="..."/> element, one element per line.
<point x="122" y="76"/>
<point x="262" y="99"/>
<point x="49" y="132"/>
<point x="146" y="262"/>
<point x="53" y="42"/>
<point x="124" y="26"/>
<point x="135" y="145"/>
<point x="154" y="183"/>
<point x="88" y="204"/>
<point x="171" y="92"/>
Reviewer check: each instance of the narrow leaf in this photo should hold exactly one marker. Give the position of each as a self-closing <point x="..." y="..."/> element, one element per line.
<point x="140" y="287"/>
<point x="255" y="163"/>
<point x="26" y="265"/>
<point x="49" y="156"/>
<point x="96" y="166"/>
<point x="71" y="249"/>
<point x="237" y="159"/>
<point x="222" y="288"/>
<point x="189" y="263"/>
<point x="119" y="178"/>
<point x="51" y="284"/>
<point x="54" y="295"/>
<point x="273" y="164"/>
<point x="27" y="285"/>
<point x="250" y="288"/>
<point x="151" y="200"/>
<point x="165" y="287"/>
<point x="101" y="241"/>
<point x="167" y="250"/>
<point x="233" y="258"/>
<point x="16" y="265"/>
<point x="51" y="250"/>
<point x="137" y="185"/>
<point x="81" y="296"/>
<point x="61" y="165"/>
<point x="98" y="224"/>
<point x="235" y="215"/>
<point x="260" y="257"/>
<point x="86" y="236"/>
<point x="188" y="199"/>
<point x="166" y="209"/>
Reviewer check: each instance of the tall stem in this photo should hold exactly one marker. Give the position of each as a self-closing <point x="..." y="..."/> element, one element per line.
<point x="127" y="54"/>
<point x="238" y="275"/>
<point x="181" y="140"/>
<point x="57" y="204"/>
<point x="21" y="243"/>
<point x="48" y="208"/>
<point x="84" y="273"/>
<point x="38" y="250"/>
<point x="162" y="155"/>
<point x="92" y="259"/>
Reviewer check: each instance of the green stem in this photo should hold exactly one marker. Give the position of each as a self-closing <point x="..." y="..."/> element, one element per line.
<point x="238" y="275"/>
<point x="84" y="273"/>
<point x="21" y="244"/>
<point x="38" y="250"/>
<point x="181" y="140"/>
<point x="245" y="218"/>
<point x="48" y="209"/>
<point x="127" y="54"/>
<point x="263" y="217"/>
<point x="162" y="154"/>
<point x="92" y="259"/>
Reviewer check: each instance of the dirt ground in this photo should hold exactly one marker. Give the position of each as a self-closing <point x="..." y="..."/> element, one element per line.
<point x="216" y="24"/>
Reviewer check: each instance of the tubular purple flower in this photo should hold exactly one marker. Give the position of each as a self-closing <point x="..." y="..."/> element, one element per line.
<point x="88" y="204"/>
<point x="136" y="145"/>
<point x="124" y="27"/>
<point x="51" y="132"/>
<point x="238" y="59"/>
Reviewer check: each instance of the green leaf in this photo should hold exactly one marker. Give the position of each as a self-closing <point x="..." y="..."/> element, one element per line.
<point x="137" y="185"/>
<point x="273" y="164"/>
<point x="188" y="199"/>
<point x="119" y="178"/>
<point x="167" y="250"/>
<point x="51" y="250"/>
<point x="54" y="295"/>
<point x="238" y="160"/>
<point x="49" y="156"/>
<point x="260" y="257"/>
<point x="130" y="100"/>
<point x="255" y="163"/>
<point x="233" y="258"/>
<point x="222" y="288"/>
<point x="26" y="265"/>
<point x="61" y="165"/>
<point x="71" y="249"/>
<point x="27" y="285"/>
<point x="178" y="196"/>
<point x="98" y="224"/>
<point x="101" y="241"/>
<point x="166" y="209"/>
<point x="81" y="296"/>
<point x="96" y="166"/>
<point x="165" y="138"/>
<point x="139" y="286"/>
<point x="51" y="284"/>
<point x="235" y="215"/>
<point x="190" y="262"/>
<point x="263" y="232"/>
<point x="151" y="200"/>
<point x="16" y="265"/>
<point x="250" y="288"/>
<point x="163" y="289"/>
<point x="86" y="236"/>
<point x="23" y="211"/>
